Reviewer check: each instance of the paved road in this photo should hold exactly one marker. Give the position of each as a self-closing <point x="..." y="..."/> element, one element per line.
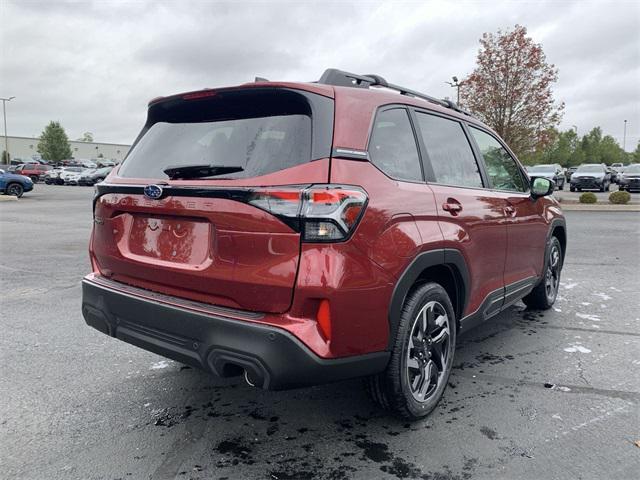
<point x="533" y="395"/>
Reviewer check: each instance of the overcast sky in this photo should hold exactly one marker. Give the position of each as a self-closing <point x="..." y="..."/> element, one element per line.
<point x="94" y="66"/>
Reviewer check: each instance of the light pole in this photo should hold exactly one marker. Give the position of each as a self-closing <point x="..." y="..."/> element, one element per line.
<point x="624" y="137"/>
<point x="4" y="113"/>
<point x="455" y="84"/>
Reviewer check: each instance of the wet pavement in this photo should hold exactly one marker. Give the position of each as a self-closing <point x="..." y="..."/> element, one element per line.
<point x="533" y="395"/>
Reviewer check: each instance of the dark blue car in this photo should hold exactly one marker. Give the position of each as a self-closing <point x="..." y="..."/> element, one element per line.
<point x="16" y="185"/>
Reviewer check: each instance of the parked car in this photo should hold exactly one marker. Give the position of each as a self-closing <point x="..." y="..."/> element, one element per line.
<point x="552" y="171"/>
<point x="73" y="178"/>
<point x="629" y="179"/>
<point x="66" y="173"/>
<point x="88" y="164"/>
<point x="105" y="163"/>
<point x="13" y="184"/>
<point x="52" y="176"/>
<point x="568" y="172"/>
<point x="590" y="176"/>
<point x="35" y="171"/>
<point x="303" y="233"/>
<point x="94" y="176"/>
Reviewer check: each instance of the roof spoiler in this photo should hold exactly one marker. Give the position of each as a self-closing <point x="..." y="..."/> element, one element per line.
<point x="339" y="78"/>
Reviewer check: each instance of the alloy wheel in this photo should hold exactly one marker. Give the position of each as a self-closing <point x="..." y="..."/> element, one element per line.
<point x="428" y="351"/>
<point x="15" y="190"/>
<point x="552" y="275"/>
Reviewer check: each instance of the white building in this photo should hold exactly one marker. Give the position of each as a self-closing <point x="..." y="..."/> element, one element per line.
<point x="26" y="147"/>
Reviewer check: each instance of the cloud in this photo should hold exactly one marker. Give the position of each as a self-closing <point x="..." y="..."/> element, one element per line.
<point x="94" y="66"/>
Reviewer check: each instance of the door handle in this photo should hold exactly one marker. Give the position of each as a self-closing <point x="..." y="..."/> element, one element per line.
<point x="452" y="206"/>
<point x="509" y="210"/>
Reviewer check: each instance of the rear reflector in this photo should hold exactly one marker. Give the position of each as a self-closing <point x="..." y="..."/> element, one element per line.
<point x="324" y="319"/>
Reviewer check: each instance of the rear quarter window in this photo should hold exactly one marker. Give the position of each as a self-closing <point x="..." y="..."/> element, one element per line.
<point x="393" y="147"/>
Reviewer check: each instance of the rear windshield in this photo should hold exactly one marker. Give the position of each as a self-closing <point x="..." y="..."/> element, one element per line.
<point x="261" y="132"/>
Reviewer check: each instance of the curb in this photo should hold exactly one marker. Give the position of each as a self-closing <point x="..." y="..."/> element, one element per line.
<point x="594" y="207"/>
<point x="8" y="198"/>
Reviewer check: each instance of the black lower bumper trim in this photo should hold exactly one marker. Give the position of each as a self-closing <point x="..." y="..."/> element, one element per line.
<point x="272" y="357"/>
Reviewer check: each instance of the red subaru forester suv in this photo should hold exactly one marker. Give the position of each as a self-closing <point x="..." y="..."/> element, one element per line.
<point x="301" y="233"/>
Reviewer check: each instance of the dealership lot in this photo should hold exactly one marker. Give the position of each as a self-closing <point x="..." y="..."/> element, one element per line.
<point x="603" y="197"/>
<point x="532" y="395"/>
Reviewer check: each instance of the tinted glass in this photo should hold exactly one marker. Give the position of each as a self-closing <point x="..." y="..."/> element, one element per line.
<point x="502" y="170"/>
<point x="591" y="168"/>
<point x="259" y="145"/>
<point x="393" y="147"/>
<point x="449" y="151"/>
<point x="542" y="168"/>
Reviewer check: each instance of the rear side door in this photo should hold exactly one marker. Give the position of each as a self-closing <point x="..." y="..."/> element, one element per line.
<point x="471" y="218"/>
<point x="526" y="228"/>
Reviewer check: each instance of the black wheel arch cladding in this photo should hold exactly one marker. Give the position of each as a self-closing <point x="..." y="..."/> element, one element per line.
<point x="449" y="258"/>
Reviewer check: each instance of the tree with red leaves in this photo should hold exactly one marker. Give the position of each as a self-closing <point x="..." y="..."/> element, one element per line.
<point x="510" y="90"/>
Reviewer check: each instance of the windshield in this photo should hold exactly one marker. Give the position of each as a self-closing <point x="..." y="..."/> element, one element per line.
<point x="542" y="169"/>
<point x="590" y="169"/>
<point x="632" y="169"/>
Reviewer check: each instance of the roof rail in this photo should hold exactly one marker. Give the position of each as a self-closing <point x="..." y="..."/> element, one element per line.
<point x="333" y="76"/>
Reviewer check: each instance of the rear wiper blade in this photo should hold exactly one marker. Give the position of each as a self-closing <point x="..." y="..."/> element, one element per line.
<point x="199" y="171"/>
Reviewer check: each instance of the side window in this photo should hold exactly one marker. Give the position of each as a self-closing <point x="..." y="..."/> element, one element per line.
<point x="502" y="170"/>
<point x="393" y="147"/>
<point x="449" y="151"/>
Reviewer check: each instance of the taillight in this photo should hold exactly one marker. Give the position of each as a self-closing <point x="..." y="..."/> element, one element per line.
<point x="326" y="213"/>
<point x="331" y="212"/>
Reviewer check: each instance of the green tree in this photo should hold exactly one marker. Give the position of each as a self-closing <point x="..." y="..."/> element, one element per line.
<point x="610" y="151"/>
<point x="635" y="156"/>
<point x="86" y="137"/>
<point x="54" y="143"/>
<point x="590" y="145"/>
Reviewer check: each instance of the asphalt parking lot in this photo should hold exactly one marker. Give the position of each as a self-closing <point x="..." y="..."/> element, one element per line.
<point x="533" y="395"/>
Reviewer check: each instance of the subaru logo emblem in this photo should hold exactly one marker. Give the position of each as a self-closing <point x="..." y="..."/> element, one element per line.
<point x="153" y="191"/>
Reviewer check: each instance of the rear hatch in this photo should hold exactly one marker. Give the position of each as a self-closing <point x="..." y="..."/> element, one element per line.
<point x="212" y="228"/>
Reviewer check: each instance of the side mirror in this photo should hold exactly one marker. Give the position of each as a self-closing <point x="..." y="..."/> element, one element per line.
<point x="541" y="187"/>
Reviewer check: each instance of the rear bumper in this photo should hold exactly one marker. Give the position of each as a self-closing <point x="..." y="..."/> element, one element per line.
<point x="272" y="357"/>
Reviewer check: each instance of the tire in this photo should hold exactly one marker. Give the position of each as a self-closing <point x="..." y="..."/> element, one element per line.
<point x="417" y="358"/>
<point x="34" y="178"/>
<point x="572" y="189"/>
<point x="544" y="295"/>
<point x="608" y="186"/>
<point x="561" y="187"/>
<point x="602" y="187"/>
<point x="14" y="189"/>
<point x="47" y="182"/>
